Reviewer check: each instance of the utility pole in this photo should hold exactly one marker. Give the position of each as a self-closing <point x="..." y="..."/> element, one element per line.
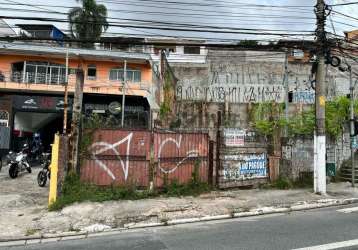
<point x="320" y="102"/>
<point x="352" y="132"/>
<point x="65" y="104"/>
<point x="285" y="82"/>
<point x="76" y="119"/>
<point x="124" y="91"/>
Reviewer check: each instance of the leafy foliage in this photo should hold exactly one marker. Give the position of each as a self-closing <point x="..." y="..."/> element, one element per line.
<point x="88" y="22"/>
<point x="267" y="117"/>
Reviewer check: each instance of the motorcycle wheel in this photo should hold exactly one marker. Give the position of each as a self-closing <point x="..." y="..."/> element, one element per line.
<point x="42" y="178"/>
<point x="13" y="171"/>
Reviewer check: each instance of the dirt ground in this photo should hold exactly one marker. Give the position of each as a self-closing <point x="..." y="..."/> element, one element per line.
<point x="20" y="200"/>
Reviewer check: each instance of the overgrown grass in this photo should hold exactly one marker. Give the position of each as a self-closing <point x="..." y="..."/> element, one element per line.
<point x="74" y="190"/>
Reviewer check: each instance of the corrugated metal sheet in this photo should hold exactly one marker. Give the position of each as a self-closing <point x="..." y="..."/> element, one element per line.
<point x="178" y="154"/>
<point x="118" y="157"/>
<point x="122" y="157"/>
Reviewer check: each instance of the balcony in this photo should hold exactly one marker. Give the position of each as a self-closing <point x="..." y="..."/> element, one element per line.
<point x="37" y="78"/>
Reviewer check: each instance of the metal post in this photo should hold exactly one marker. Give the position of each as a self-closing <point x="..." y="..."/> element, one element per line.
<point x="65" y="101"/>
<point x="24" y="73"/>
<point x="320" y="99"/>
<point x="351" y="89"/>
<point x="124" y="91"/>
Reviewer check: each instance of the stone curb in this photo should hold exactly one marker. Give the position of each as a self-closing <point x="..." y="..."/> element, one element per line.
<point x="29" y="240"/>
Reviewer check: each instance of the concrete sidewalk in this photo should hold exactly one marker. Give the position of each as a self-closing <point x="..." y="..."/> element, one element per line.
<point x="24" y="220"/>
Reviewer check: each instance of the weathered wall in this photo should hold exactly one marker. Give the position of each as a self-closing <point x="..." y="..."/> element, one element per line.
<point x="231" y="80"/>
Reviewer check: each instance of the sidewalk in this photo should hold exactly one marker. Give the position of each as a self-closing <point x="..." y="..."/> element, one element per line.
<point x="24" y="217"/>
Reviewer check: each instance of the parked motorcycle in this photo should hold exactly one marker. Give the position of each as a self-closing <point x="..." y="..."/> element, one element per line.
<point x="18" y="163"/>
<point x="45" y="171"/>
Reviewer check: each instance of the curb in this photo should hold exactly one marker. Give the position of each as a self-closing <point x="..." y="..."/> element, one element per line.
<point x="45" y="238"/>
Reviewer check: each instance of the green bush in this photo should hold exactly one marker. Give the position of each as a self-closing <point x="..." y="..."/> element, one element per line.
<point x="282" y="183"/>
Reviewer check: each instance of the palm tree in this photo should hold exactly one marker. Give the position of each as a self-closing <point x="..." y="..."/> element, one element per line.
<point x="88" y="22"/>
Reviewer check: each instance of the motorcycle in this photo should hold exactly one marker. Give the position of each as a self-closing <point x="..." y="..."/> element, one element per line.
<point x="45" y="171"/>
<point x="18" y="163"/>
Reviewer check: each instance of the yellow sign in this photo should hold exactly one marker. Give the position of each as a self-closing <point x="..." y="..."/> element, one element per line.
<point x="322" y="101"/>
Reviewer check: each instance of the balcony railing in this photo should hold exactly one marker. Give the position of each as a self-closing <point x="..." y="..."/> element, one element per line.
<point x="37" y="77"/>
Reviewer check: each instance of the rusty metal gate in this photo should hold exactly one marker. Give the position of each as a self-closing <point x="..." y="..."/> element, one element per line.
<point x="123" y="157"/>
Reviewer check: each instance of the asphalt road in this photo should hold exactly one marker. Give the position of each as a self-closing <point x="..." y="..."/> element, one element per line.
<point x="279" y="231"/>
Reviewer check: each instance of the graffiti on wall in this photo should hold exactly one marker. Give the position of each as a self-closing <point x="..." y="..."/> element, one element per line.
<point x="118" y="156"/>
<point x="191" y="153"/>
<point x="244" y="166"/>
<point x="101" y="147"/>
<point x="231" y="93"/>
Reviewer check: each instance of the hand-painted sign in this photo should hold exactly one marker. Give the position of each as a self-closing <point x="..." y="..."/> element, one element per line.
<point x="244" y="166"/>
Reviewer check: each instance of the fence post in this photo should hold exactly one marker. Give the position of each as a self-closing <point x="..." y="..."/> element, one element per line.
<point x="211" y="162"/>
<point x="151" y="161"/>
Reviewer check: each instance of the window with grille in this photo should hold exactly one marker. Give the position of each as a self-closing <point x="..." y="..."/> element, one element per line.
<point x="133" y="75"/>
<point x="91" y="72"/>
<point x="4" y="118"/>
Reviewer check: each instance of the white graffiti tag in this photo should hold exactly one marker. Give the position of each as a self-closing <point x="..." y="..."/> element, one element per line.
<point x="189" y="154"/>
<point x="107" y="146"/>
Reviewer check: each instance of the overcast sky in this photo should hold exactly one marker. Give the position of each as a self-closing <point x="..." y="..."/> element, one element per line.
<point x="224" y="13"/>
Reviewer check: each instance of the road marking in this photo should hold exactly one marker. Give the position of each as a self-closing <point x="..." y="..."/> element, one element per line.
<point x="348" y="210"/>
<point x="335" y="245"/>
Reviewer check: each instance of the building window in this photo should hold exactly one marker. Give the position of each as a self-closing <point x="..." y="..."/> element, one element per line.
<point x="91" y="72"/>
<point x="38" y="72"/>
<point x="133" y="75"/>
<point x="4" y="118"/>
<point x="192" y="50"/>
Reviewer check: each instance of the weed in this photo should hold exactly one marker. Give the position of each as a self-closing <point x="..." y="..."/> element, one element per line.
<point x="282" y="183"/>
<point x="74" y="190"/>
<point x="31" y="231"/>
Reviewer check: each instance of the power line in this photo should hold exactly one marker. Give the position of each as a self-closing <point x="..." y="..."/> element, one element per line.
<point x="343" y="4"/>
<point x="224" y="31"/>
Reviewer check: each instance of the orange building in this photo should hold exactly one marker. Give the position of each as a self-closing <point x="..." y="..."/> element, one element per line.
<point x="32" y="85"/>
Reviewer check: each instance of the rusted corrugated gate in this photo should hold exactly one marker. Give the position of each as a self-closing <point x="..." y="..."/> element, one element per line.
<point x="178" y="154"/>
<point x="122" y="157"/>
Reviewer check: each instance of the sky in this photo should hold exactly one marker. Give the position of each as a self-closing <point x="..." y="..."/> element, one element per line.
<point x="298" y="19"/>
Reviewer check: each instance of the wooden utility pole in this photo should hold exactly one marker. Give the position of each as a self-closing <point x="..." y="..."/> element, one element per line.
<point x="76" y="119"/>
<point x="320" y="99"/>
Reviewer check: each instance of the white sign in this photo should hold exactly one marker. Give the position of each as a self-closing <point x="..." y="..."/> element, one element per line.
<point x="234" y="137"/>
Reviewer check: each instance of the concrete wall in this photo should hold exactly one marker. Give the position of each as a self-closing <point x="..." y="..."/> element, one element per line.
<point x="231" y="80"/>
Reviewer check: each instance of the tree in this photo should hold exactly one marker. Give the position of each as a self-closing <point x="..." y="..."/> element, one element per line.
<point x="88" y="22"/>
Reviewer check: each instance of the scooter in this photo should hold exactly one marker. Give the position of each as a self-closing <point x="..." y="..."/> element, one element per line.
<point x="45" y="171"/>
<point x="18" y="163"/>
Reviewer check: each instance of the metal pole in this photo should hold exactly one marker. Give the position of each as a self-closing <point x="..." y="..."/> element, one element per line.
<point x="320" y="99"/>
<point x="65" y="104"/>
<point x="124" y="90"/>
<point x="351" y="88"/>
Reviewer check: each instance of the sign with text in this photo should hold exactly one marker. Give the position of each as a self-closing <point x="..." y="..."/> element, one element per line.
<point x="244" y="166"/>
<point x="41" y="103"/>
<point x="234" y="137"/>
